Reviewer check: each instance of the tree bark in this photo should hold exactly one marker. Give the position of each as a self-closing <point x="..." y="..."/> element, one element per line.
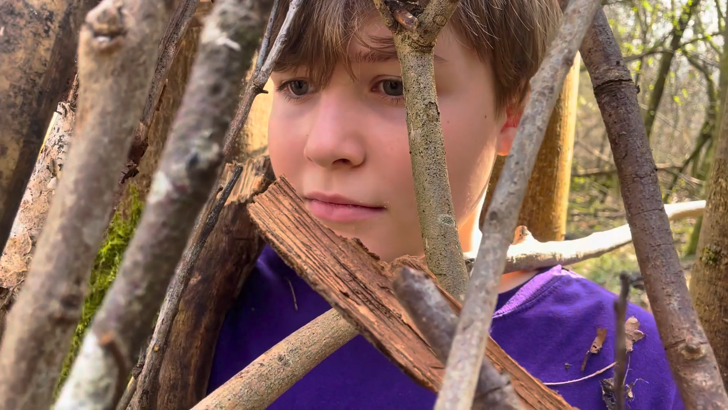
<point x="691" y="357"/>
<point x="116" y="58"/>
<point x="188" y="170"/>
<point x="709" y="280"/>
<point x="545" y="208"/>
<point x="38" y="41"/>
<point x="666" y="61"/>
<point x="28" y="225"/>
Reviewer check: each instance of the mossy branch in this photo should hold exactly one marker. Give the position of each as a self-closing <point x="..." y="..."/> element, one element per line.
<point x="414" y="39"/>
<point x="117" y="52"/>
<point x="500" y="221"/>
<point x="188" y="169"/>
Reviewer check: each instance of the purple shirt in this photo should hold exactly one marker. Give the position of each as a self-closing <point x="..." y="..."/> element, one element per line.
<point x="547" y="325"/>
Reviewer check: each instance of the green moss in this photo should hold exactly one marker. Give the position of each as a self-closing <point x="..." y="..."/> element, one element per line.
<point x="106" y="264"/>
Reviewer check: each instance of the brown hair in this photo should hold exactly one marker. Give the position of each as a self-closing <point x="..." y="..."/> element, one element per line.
<point x="511" y="35"/>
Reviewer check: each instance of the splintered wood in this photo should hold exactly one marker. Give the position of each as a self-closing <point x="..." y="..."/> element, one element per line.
<point x="357" y="284"/>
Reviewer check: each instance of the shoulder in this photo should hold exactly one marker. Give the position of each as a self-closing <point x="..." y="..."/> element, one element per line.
<point x="549" y="327"/>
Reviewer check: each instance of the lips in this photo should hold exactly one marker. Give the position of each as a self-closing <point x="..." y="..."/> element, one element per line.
<point x="337" y="208"/>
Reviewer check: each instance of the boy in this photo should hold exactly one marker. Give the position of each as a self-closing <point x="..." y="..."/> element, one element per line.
<point x="338" y="133"/>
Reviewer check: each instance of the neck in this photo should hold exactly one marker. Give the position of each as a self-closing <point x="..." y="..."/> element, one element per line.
<point x="470" y="237"/>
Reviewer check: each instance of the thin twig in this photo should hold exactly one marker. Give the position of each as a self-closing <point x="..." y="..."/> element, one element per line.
<point x="156" y="349"/>
<point x="436" y="320"/>
<point x="117" y="51"/>
<point x="501" y="218"/>
<point x="596" y="373"/>
<point x="415" y="50"/>
<point x="260" y="76"/>
<point x="620" y="347"/>
<point x="188" y="169"/>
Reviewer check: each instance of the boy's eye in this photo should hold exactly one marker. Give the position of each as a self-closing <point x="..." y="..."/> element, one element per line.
<point x="298" y="87"/>
<point x="393" y="88"/>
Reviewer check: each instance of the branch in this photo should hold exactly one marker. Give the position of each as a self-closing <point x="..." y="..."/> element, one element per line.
<point x="427" y="151"/>
<point x="436" y="320"/>
<point x="38" y="48"/>
<point x="167" y="51"/>
<point x="188" y="168"/>
<point x="500" y="221"/>
<point x="620" y="348"/>
<point x="531" y="254"/>
<point x="691" y="358"/>
<point x="153" y="362"/>
<point x="117" y="50"/>
<point x="275" y="371"/>
<point x="590" y="172"/>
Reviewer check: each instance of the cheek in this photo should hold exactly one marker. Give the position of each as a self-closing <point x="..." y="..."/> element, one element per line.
<point x="470" y="144"/>
<point x="285" y="146"/>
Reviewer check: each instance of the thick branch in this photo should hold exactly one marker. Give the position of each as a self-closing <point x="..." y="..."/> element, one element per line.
<point x="38" y="50"/>
<point x="275" y="371"/>
<point x="500" y="221"/>
<point x="436" y="320"/>
<point x="188" y="169"/>
<point x="415" y="49"/>
<point x="691" y="358"/>
<point x="116" y="58"/>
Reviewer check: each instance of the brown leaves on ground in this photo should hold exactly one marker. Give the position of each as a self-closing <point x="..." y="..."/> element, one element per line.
<point x="596" y="345"/>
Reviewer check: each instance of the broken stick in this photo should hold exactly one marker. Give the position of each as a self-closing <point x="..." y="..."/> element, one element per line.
<point x="359" y="286"/>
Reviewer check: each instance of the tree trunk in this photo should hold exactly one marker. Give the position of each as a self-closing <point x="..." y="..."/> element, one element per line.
<point x="545" y="206"/>
<point x="38" y="40"/>
<point x="666" y="61"/>
<point x="709" y="280"/>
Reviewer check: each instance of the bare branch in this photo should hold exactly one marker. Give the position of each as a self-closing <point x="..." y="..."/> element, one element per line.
<point x="436" y="320"/>
<point x="532" y="254"/>
<point x="188" y="169"/>
<point x="275" y="371"/>
<point x="415" y="49"/>
<point x="117" y="51"/>
<point x="691" y="357"/>
<point x="38" y="48"/>
<point x="155" y="351"/>
<point x="500" y="221"/>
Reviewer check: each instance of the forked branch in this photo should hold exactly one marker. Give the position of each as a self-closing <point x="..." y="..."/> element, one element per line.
<point x="414" y="38"/>
<point x="500" y="220"/>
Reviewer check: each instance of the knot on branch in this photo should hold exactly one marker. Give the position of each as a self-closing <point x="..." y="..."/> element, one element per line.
<point x="107" y="27"/>
<point x="693" y="349"/>
<point x="404" y="12"/>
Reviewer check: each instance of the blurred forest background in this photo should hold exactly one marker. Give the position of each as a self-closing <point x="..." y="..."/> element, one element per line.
<point x="679" y="60"/>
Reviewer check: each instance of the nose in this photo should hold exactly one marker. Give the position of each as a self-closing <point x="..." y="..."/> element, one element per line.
<point x="336" y="138"/>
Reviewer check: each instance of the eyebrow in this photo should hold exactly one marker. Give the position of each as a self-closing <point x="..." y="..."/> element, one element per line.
<point x="382" y="55"/>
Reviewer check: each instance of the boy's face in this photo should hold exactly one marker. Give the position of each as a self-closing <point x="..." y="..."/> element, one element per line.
<point x="345" y="147"/>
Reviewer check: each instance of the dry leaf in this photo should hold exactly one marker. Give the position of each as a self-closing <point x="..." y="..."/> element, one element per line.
<point x="596" y="345"/>
<point x="632" y="332"/>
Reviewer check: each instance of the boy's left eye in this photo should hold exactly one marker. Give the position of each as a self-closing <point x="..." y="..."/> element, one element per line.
<point x="392" y="88"/>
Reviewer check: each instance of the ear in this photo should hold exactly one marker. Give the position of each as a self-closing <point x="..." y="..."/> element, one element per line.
<point x="508" y="132"/>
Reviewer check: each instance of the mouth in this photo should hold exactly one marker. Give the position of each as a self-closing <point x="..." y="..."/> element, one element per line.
<point x="335" y="208"/>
